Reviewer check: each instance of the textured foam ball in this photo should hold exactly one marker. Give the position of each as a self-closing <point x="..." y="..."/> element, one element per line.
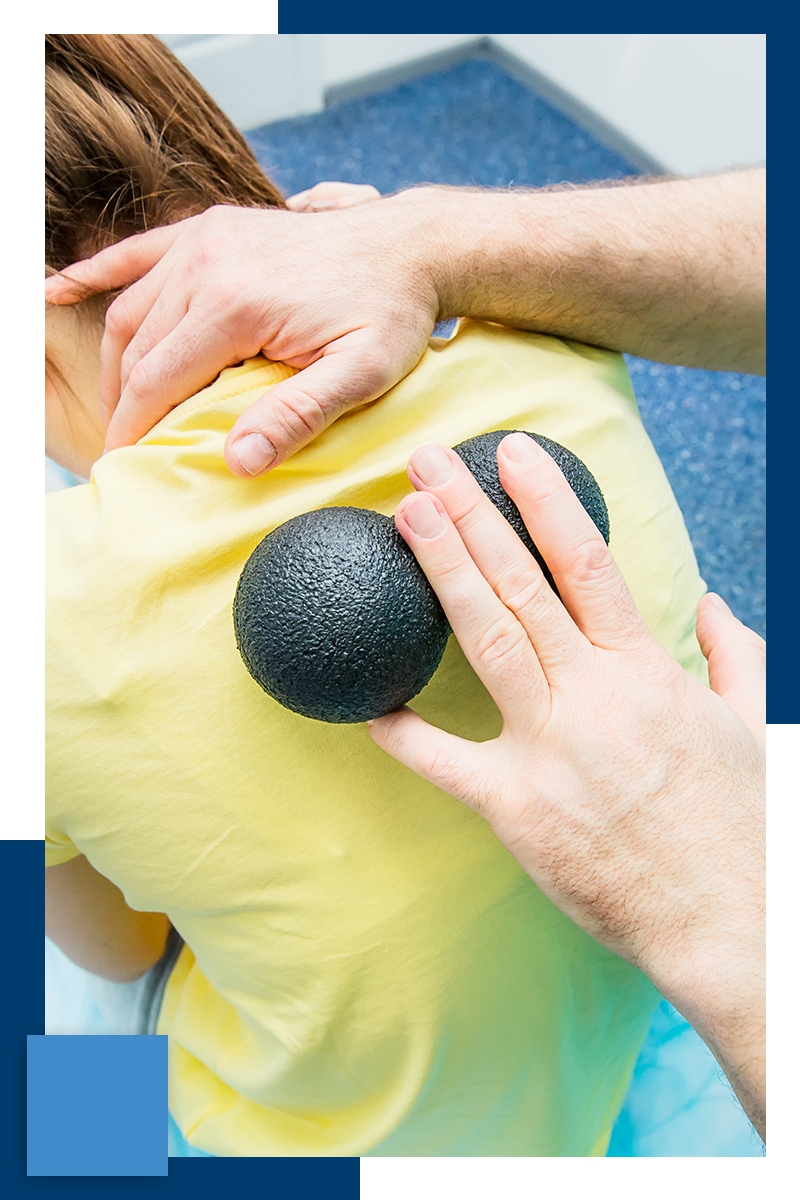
<point x="334" y="617"/>
<point x="480" y="456"/>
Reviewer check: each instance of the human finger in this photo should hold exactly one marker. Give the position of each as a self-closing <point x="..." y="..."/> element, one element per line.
<point x="451" y="763"/>
<point x="500" y="556"/>
<point x="123" y="320"/>
<point x="113" y="267"/>
<point x="180" y="365"/>
<point x="493" y="640"/>
<point x="588" y="579"/>
<point x="736" y="661"/>
<point x="349" y="372"/>
<point x="332" y="194"/>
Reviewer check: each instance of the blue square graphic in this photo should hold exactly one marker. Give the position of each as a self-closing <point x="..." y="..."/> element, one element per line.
<point x="97" y="1105"/>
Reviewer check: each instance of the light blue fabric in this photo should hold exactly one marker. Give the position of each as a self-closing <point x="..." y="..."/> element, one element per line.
<point x="679" y="1104"/>
<point x="56" y="477"/>
<point x="178" y="1146"/>
<point x="70" y="1008"/>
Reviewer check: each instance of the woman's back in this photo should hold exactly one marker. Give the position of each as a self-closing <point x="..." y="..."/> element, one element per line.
<point x="370" y="971"/>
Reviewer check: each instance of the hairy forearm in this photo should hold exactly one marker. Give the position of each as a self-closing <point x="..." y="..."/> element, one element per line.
<point x="671" y="270"/>
<point x="735" y="1032"/>
<point x="712" y="967"/>
<point x="743" y="1059"/>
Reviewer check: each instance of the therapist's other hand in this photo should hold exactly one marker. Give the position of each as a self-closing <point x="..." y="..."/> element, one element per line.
<point x="332" y="194"/>
<point x="222" y="286"/>
<point x="631" y="795"/>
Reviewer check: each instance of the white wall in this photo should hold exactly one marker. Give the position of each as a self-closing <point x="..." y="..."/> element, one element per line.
<point x="692" y="102"/>
<point x="347" y="56"/>
<point x="255" y="77"/>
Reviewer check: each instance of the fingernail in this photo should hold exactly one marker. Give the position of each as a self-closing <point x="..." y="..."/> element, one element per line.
<point x="519" y="447"/>
<point x="717" y="601"/>
<point x="423" y="516"/>
<point x="432" y="465"/>
<point x="254" y="453"/>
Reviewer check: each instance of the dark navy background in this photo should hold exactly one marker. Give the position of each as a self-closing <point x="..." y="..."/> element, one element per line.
<point x="22" y="1013"/>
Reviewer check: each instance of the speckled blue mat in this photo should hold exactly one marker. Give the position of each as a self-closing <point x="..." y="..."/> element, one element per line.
<point x="474" y="124"/>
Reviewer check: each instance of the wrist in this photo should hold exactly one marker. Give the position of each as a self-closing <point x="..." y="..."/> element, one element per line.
<point x="720" y="989"/>
<point x="428" y="216"/>
<point x="649" y="269"/>
<point x="493" y="255"/>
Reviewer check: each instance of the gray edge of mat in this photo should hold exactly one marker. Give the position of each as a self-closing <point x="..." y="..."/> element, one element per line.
<point x="488" y="51"/>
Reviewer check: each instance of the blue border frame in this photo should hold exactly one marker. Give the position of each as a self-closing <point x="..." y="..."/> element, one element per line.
<point x="22" y="1013"/>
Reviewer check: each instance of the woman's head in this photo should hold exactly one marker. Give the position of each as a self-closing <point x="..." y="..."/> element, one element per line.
<point x="132" y="142"/>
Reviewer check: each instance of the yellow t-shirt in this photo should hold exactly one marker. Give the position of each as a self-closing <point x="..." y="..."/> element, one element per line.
<point x="367" y="969"/>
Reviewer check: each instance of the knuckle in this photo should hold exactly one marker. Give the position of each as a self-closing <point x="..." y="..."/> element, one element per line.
<point x="549" y="484"/>
<point x="372" y="372"/>
<point x="227" y="317"/>
<point x="449" y="775"/>
<point x="224" y="296"/>
<point x="440" y="767"/>
<point x="207" y="253"/>
<point x="450" y="576"/>
<point x="119" y="320"/>
<point x="522" y="589"/>
<point x="592" y="570"/>
<point x="128" y="360"/>
<point x="213" y="220"/>
<point x="301" y="416"/>
<point x="141" y="384"/>
<point x="472" y="506"/>
<point x="665" y="690"/>
<point x="503" y="645"/>
<point x="592" y="562"/>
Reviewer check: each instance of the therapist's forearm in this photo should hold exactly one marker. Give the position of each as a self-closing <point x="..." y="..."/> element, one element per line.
<point x="739" y="1045"/>
<point x="671" y="270"/>
<point x="724" y="1000"/>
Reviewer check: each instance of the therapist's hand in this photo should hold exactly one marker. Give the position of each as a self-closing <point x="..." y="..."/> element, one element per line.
<point x="332" y="194"/>
<point x="303" y="287"/>
<point x="631" y="795"/>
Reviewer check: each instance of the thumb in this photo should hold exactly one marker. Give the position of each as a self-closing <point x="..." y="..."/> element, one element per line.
<point x="736" y="661"/>
<point x="350" y="372"/>
<point x="448" y="762"/>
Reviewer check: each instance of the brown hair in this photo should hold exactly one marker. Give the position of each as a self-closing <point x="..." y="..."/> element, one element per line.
<point x="132" y="142"/>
